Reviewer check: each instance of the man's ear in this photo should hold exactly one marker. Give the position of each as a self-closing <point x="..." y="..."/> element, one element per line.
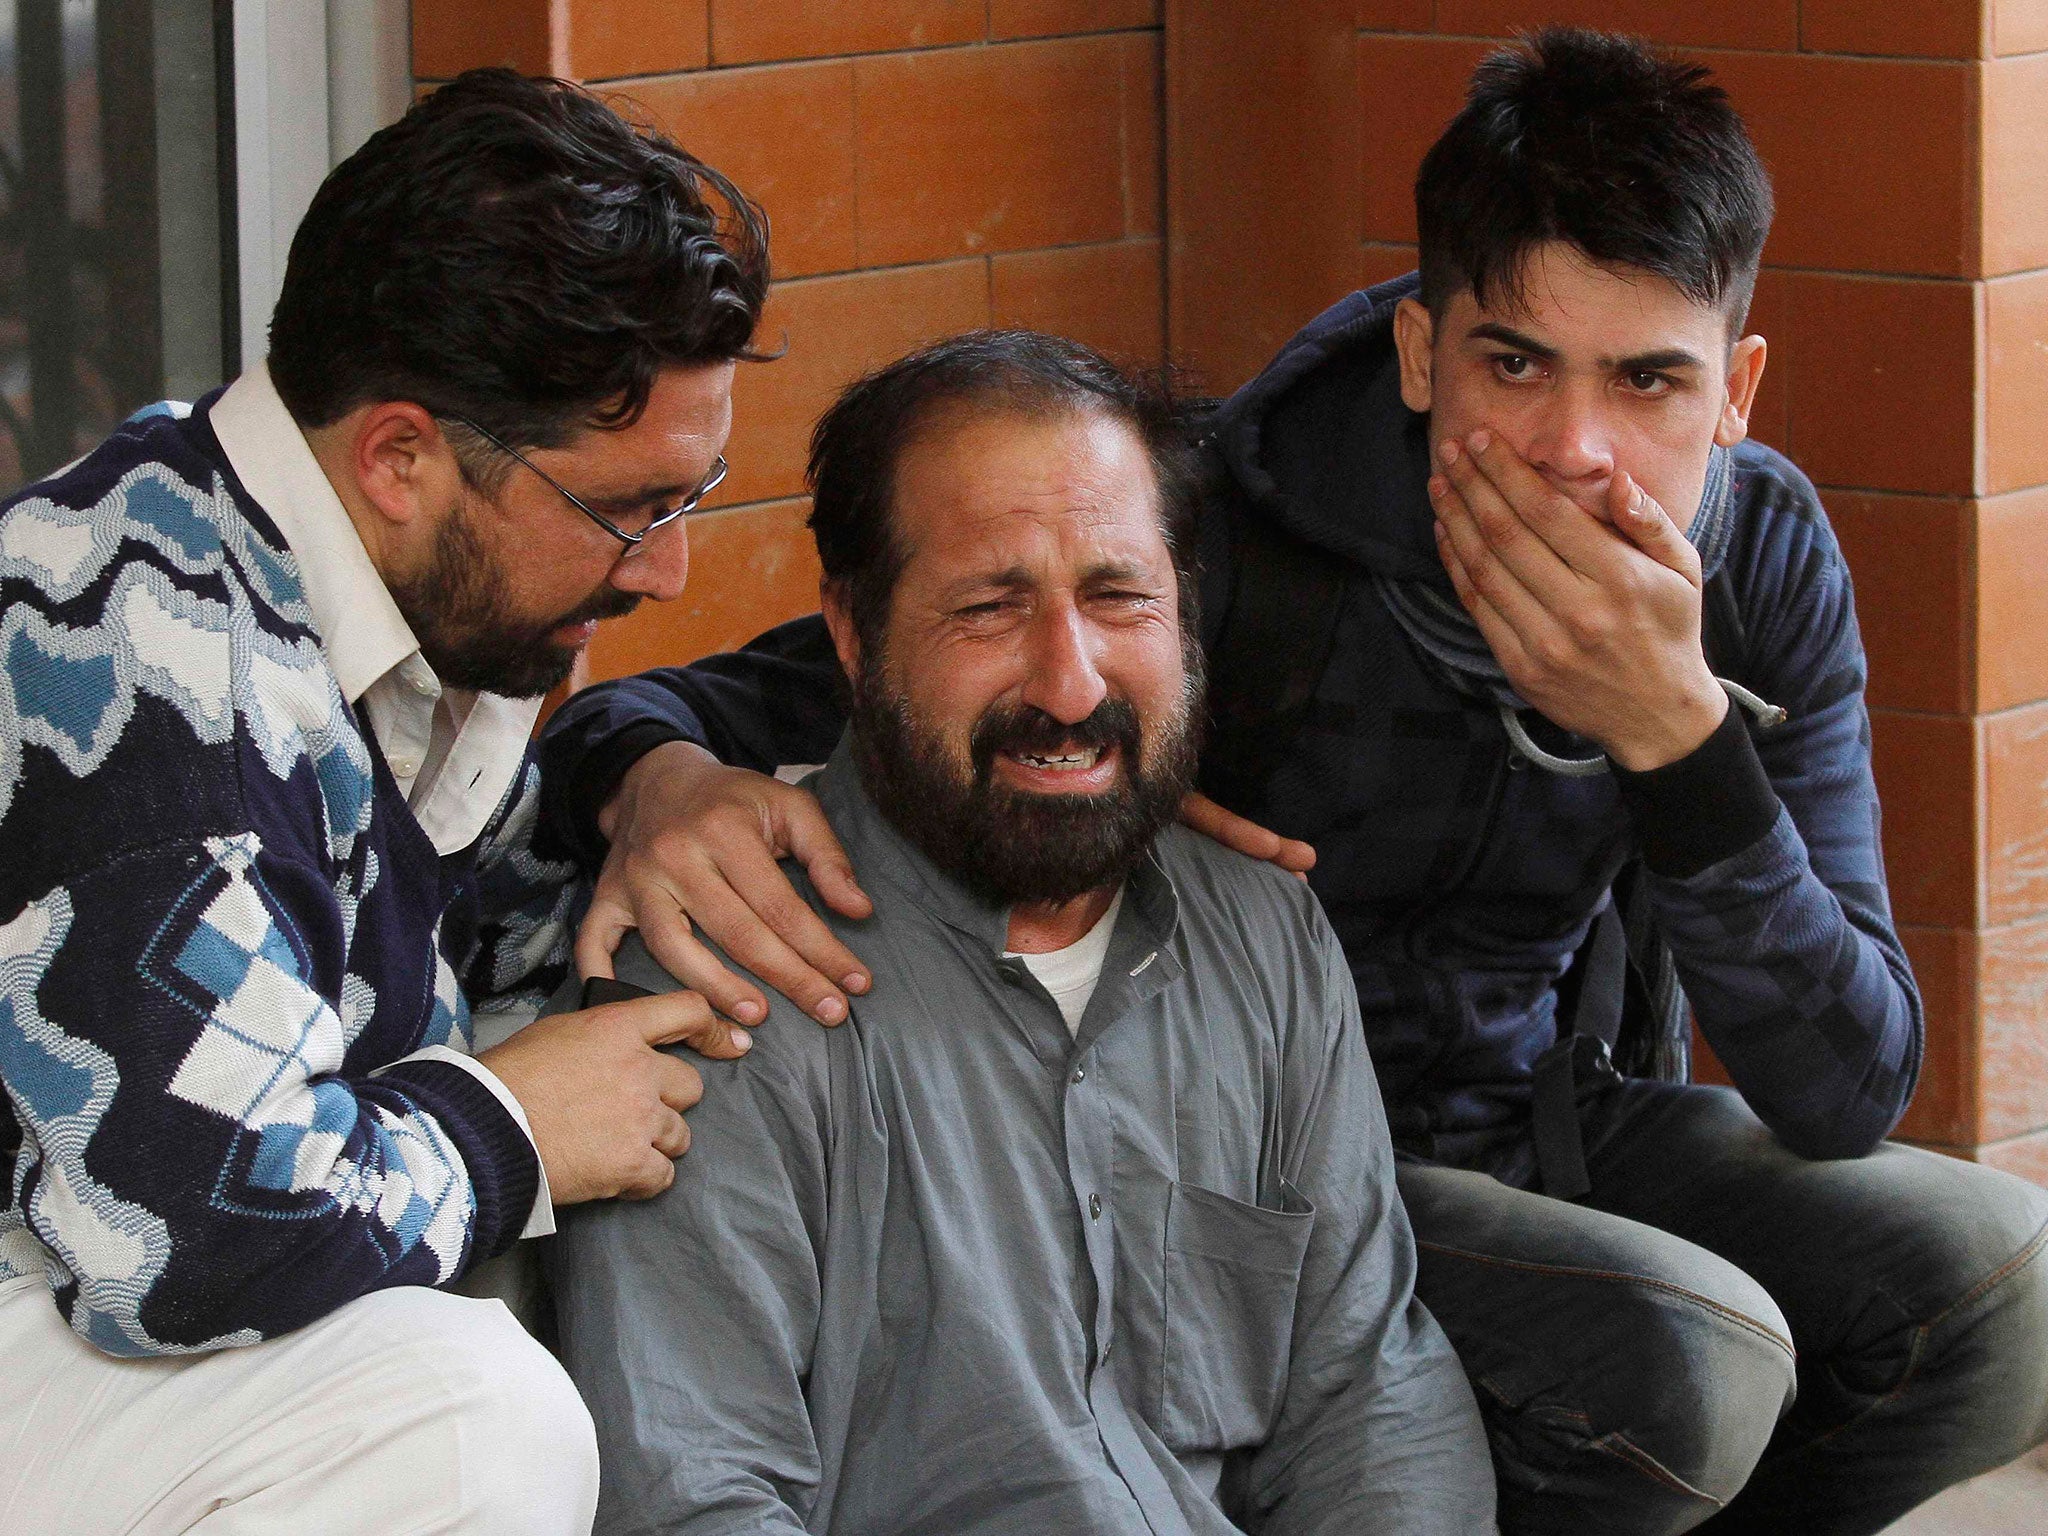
<point x="1415" y="340"/>
<point x="1745" y="372"/>
<point x="839" y="620"/>
<point x="402" y="462"/>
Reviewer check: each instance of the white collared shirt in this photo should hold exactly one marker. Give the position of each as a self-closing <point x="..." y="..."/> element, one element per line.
<point x="454" y="753"/>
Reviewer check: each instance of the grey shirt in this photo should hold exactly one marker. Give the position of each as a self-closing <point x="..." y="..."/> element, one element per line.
<point x="946" y="1269"/>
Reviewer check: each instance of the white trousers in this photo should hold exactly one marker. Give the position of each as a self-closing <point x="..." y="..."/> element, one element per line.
<point x="407" y="1411"/>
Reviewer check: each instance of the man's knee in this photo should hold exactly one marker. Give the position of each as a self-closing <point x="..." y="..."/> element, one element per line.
<point x="1978" y="1339"/>
<point x="1630" y="1380"/>
<point x="497" y="1413"/>
<point x="403" y="1410"/>
<point x="1946" y="1234"/>
<point x="1697" y="1371"/>
<point x="1663" y="1408"/>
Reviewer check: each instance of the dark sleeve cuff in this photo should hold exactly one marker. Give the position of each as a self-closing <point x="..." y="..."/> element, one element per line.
<point x="504" y="1169"/>
<point x="1705" y="807"/>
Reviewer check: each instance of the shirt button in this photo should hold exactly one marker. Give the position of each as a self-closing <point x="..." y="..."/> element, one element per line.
<point x="422" y="685"/>
<point x="1095" y="1207"/>
<point x="405" y="767"/>
<point x="1080" y="1073"/>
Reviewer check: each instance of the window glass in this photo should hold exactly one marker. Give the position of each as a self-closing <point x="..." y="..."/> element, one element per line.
<point x="112" y="276"/>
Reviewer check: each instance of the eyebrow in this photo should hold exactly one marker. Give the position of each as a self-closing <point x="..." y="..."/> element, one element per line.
<point x="1017" y="578"/>
<point x="1659" y="362"/>
<point x="1116" y="570"/>
<point x="1507" y="336"/>
<point x="1642" y="362"/>
<point x="1013" y="579"/>
<point x="626" y="501"/>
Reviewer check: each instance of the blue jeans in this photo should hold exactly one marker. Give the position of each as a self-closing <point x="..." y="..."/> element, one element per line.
<point x="1725" y="1335"/>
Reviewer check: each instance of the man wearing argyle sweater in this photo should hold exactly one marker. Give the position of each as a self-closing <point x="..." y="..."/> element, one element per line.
<point x="234" y="1031"/>
<point x="268" y="673"/>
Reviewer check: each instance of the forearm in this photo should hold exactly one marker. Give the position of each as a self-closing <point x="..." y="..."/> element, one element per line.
<point x="1813" y="1011"/>
<point x="259" y="1180"/>
<point x="1398" y="1452"/>
<point x="697" y="1436"/>
<point x="781" y="699"/>
<point x="1797" y="979"/>
<point x="688" y="1321"/>
<point x="251" y="1231"/>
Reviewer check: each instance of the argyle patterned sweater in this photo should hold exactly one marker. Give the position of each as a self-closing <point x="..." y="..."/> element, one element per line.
<point x="222" y="932"/>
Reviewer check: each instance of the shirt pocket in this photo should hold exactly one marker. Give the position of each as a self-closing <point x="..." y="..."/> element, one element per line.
<point x="1232" y="1274"/>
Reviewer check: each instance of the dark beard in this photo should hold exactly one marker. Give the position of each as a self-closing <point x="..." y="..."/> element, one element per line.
<point x="1013" y="846"/>
<point x="459" y="609"/>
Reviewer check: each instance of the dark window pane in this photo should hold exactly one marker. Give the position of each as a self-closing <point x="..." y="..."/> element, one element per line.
<point x="110" y="219"/>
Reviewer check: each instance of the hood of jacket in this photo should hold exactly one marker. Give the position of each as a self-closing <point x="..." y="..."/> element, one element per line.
<point x="1321" y="443"/>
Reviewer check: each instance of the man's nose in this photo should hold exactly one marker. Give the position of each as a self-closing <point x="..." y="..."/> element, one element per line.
<point x="659" y="565"/>
<point x="1571" y="439"/>
<point x="1064" y="680"/>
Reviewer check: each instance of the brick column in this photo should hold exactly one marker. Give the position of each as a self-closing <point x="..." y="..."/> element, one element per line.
<point x="1263" y="140"/>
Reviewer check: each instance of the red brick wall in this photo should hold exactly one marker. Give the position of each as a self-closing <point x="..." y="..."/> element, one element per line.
<point x="928" y="166"/>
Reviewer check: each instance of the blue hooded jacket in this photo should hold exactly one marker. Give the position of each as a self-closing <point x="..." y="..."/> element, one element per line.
<point x="1460" y="878"/>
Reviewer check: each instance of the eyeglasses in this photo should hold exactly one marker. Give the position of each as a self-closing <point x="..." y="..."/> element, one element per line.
<point x="632" y="541"/>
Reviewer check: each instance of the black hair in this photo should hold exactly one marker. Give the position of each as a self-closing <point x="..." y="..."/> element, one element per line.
<point x="859" y="441"/>
<point x="1633" y="156"/>
<point x="515" y="252"/>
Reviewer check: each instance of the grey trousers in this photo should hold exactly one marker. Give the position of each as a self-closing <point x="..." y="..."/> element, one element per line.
<point x="1727" y="1336"/>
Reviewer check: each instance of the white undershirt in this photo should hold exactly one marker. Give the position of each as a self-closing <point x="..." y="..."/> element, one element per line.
<point x="1070" y="974"/>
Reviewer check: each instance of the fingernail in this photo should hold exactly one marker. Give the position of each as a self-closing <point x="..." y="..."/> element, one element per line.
<point x="830" y="1011"/>
<point x="1448" y="451"/>
<point x="1437" y="485"/>
<point x="854" y="981"/>
<point x="1438" y="530"/>
<point x="742" y="1039"/>
<point x="750" y="1013"/>
<point x="1481" y="440"/>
